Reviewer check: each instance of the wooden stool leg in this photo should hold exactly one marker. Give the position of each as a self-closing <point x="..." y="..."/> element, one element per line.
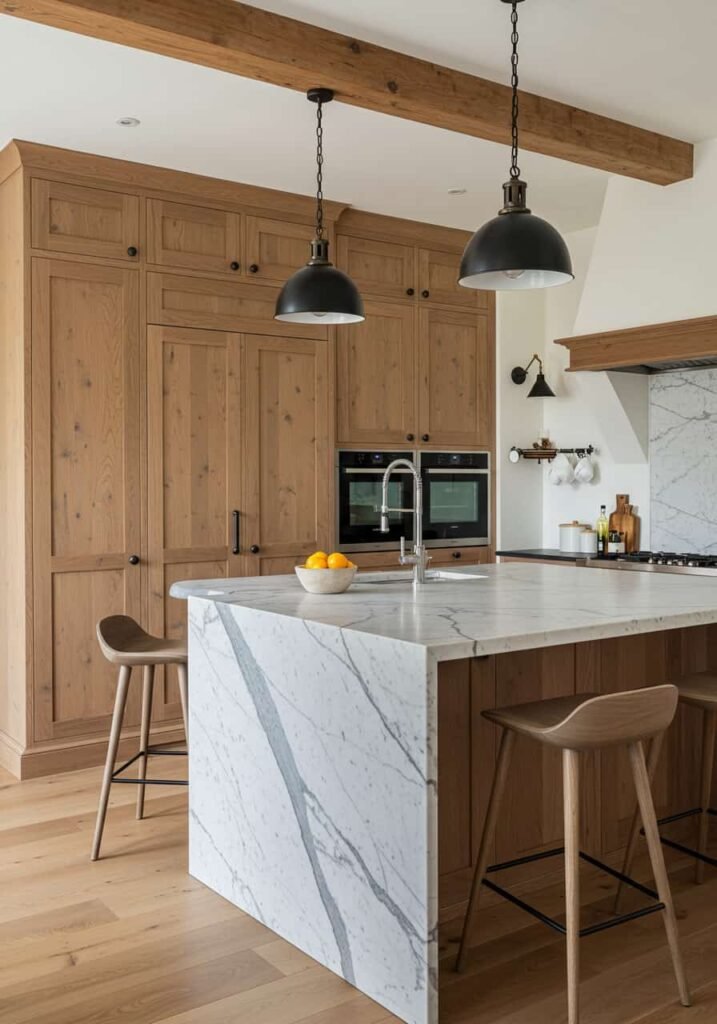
<point x="184" y="698"/>
<point x="115" y="731"/>
<point x="147" y="694"/>
<point x="709" y="732"/>
<point x="491" y="818"/>
<point x="652" y="835"/>
<point x="571" y="810"/>
<point x="652" y="761"/>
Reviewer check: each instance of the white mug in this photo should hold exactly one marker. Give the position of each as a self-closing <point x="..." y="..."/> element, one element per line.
<point x="561" y="470"/>
<point x="584" y="471"/>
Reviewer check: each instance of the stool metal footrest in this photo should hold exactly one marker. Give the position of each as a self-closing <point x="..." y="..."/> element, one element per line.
<point x="556" y="925"/>
<point x="681" y="847"/>
<point x="150" y="752"/>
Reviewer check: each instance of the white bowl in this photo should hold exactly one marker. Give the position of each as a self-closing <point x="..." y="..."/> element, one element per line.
<point x="325" y="581"/>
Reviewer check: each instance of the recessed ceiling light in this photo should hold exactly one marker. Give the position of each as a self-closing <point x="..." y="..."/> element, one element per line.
<point x="457" y="191"/>
<point x="128" y="122"/>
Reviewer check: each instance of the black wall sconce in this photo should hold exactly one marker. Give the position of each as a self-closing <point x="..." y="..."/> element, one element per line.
<point x="541" y="388"/>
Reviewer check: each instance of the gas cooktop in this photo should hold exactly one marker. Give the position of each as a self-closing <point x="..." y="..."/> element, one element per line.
<point x="660" y="561"/>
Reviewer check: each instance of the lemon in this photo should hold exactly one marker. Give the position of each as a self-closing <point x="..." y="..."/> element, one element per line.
<point x="317" y="561"/>
<point x="318" y="554"/>
<point x="338" y="561"/>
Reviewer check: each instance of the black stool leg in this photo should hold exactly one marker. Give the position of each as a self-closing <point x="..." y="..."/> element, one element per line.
<point x="709" y="732"/>
<point x="147" y="694"/>
<point x="115" y="732"/>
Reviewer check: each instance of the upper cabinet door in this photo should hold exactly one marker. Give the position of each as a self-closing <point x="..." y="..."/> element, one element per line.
<point x="89" y="221"/>
<point x="378" y="268"/>
<point x="376" y="377"/>
<point x="275" y="249"/>
<point x="438" y="281"/>
<point x="194" y="237"/>
<point x="456" y="378"/>
<point x="287" y="459"/>
<point x="87" y="485"/>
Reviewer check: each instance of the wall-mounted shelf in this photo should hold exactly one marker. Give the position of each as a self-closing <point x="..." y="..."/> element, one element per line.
<point x="543" y="450"/>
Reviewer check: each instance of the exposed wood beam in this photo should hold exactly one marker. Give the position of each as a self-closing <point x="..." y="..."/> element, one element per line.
<point x="257" y="44"/>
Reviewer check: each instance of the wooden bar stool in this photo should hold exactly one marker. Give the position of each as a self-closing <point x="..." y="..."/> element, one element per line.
<point x="123" y="642"/>
<point x="699" y="691"/>
<point x="575" y="724"/>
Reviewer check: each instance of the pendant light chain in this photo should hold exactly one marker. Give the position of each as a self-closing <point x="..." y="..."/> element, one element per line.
<point x="514" y="168"/>
<point x="319" y="171"/>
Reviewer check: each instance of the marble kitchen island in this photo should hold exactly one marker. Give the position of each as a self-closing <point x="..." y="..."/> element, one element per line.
<point x="316" y="771"/>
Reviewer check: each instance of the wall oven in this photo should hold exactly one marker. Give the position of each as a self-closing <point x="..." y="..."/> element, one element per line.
<point x="456" y="498"/>
<point x="358" y="493"/>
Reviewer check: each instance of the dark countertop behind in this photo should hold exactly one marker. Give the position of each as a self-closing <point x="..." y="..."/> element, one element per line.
<point x="552" y="553"/>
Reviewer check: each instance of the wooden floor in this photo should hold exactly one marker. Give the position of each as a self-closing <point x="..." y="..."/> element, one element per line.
<point x="133" y="939"/>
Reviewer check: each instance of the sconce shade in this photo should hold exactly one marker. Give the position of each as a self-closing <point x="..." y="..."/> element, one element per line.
<point x="541" y="388"/>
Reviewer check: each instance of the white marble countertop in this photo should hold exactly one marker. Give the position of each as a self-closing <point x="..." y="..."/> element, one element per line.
<point x="511" y="607"/>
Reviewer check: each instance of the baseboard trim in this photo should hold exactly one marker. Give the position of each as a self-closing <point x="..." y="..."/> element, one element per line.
<point x="10" y="754"/>
<point x="55" y="758"/>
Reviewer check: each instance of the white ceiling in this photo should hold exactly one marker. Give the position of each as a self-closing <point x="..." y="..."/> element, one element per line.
<point x="67" y="90"/>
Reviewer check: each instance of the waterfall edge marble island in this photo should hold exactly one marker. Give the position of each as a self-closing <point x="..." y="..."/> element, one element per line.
<point x="314" y="730"/>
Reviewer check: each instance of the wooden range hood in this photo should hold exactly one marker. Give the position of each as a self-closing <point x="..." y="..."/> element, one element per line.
<point x="651" y="349"/>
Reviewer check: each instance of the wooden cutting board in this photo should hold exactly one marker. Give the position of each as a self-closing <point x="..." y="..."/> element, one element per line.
<point x="624" y="520"/>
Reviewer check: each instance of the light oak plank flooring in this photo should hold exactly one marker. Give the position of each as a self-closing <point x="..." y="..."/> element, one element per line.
<point x="133" y="939"/>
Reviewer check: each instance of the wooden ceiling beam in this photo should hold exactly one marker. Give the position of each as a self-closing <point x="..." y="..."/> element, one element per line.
<point x="253" y="43"/>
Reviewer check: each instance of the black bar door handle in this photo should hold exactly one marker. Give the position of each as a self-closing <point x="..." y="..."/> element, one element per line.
<point x="236" y="548"/>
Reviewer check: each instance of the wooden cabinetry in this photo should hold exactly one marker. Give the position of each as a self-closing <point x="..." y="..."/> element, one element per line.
<point x="195" y="237"/>
<point x="438" y="281"/>
<point x="89" y="221"/>
<point x="378" y="268"/>
<point x="446" y="558"/>
<point x="86" y="494"/>
<point x="275" y="249"/>
<point x="376" y="391"/>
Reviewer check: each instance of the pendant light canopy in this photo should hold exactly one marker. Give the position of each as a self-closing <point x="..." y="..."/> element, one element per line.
<point x="319" y="293"/>
<point x="516" y="249"/>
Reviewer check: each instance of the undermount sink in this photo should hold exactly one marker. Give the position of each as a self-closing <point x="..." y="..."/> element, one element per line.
<point x="432" y="576"/>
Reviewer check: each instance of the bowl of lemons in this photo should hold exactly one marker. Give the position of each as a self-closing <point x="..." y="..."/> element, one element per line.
<point x="326" y="574"/>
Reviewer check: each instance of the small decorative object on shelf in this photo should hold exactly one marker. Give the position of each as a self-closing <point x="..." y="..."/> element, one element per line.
<point x="544" y="450"/>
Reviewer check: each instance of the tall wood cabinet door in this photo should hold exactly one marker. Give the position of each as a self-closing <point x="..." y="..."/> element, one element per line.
<point x="456" y="372"/>
<point x="275" y="249"/>
<point x="195" y="237"/>
<point x="438" y="276"/>
<point x="531" y="819"/>
<point x="193" y="433"/>
<point x="376" y="381"/>
<point x="383" y="269"/>
<point x="287" y="472"/>
<point x="86" y="494"/>
<point x="88" y="221"/>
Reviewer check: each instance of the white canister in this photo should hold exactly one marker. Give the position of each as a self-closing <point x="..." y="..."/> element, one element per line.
<point x="588" y="542"/>
<point x="570" y="536"/>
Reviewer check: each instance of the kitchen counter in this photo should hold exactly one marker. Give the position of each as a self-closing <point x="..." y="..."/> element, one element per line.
<point x="545" y="554"/>
<point x="313" y="733"/>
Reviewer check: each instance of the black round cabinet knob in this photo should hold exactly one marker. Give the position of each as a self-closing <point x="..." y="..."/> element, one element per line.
<point x="254" y="268"/>
<point x="410" y="291"/>
<point x="425" y="293"/>
<point x="425" y="437"/>
<point x="132" y="251"/>
<point x="254" y="549"/>
<point x="410" y="437"/>
<point x="235" y="265"/>
<point x="456" y="554"/>
<point x="133" y="559"/>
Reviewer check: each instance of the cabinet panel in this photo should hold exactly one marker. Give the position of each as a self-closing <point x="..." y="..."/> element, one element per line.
<point x="86" y="499"/>
<point x="178" y="301"/>
<point x="193" y="471"/>
<point x="89" y="221"/>
<point x="287" y="460"/>
<point x="438" y="275"/>
<point x="275" y="249"/>
<point x="378" y="268"/>
<point x="376" y="377"/>
<point x="195" y="237"/>
<point x="456" y="378"/>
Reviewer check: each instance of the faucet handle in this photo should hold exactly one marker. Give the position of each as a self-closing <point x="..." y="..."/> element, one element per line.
<point x="403" y="549"/>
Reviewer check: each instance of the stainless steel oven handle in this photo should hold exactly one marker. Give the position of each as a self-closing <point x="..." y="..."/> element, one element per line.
<point x="374" y="472"/>
<point x="454" y="472"/>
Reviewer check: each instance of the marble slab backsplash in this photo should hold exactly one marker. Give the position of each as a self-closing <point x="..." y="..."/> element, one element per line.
<point x="683" y="461"/>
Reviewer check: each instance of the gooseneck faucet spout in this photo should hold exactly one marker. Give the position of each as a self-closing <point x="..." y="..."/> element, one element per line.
<point x="418" y="559"/>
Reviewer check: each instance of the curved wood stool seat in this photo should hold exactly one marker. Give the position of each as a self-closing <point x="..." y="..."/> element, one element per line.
<point x="698" y="691"/>
<point x="576" y="724"/>
<point x="124" y="643"/>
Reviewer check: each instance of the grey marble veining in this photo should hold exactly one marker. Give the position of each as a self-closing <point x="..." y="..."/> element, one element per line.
<point x="683" y="461"/>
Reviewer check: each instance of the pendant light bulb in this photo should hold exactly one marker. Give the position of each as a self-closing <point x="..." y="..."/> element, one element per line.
<point x="319" y="293"/>
<point x="516" y="249"/>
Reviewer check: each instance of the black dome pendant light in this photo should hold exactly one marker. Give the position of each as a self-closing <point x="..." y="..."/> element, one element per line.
<point x="516" y="249"/>
<point x="319" y="293"/>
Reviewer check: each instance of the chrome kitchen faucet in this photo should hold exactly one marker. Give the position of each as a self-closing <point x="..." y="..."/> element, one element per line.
<point x="419" y="558"/>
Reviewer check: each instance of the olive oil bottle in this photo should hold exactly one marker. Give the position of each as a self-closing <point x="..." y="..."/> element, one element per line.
<point x="603" y="528"/>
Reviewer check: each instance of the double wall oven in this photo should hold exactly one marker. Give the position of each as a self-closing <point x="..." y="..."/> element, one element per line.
<point x="456" y="499"/>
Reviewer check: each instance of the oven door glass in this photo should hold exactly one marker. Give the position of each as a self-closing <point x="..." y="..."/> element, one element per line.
<point x="359" y="499"/>
<point x="456" y="505"/>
